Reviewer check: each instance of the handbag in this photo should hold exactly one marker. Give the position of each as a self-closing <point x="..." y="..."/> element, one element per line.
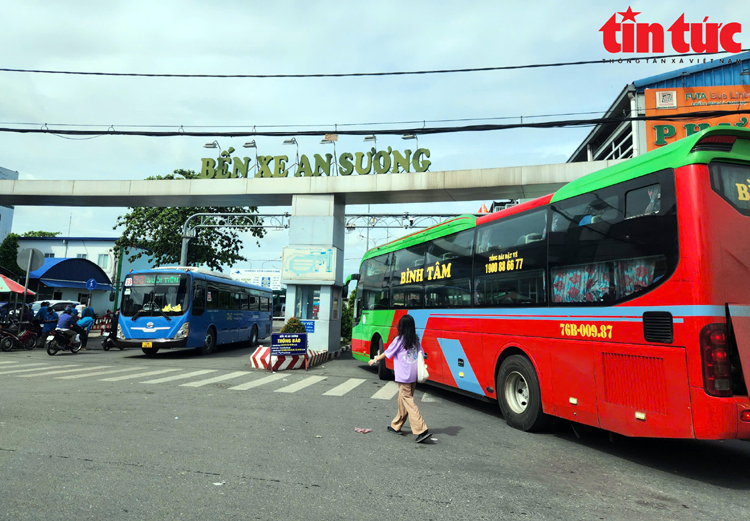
<point x="422" y="373"/>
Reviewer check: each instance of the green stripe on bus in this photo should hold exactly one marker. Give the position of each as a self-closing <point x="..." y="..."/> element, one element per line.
<point x="453" y="226"/>
<point x="674" y="155"/>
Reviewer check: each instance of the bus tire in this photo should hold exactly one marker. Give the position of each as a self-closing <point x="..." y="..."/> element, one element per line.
<point x="209" y="343"/>
<point x="383" y="372"/>
<point x="149" y="352"/>
<point x="519" y="396"/>
<point x="254" y="336"/>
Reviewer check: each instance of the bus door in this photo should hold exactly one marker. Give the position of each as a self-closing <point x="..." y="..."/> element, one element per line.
<point x="196" y="334"/>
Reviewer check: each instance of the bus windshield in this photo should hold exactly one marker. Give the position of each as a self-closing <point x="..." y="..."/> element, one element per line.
<point x="152" y="294"/>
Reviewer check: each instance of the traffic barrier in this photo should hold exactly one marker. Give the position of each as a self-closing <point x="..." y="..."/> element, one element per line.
<point x="261" y="358"/>
<point x="102" y="323"/>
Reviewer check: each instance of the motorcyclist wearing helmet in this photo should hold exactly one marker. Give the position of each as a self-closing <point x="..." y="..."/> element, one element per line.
<point x="68" y="323"/>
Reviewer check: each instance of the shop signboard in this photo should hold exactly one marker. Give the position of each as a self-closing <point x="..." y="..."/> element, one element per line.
<point x="686" y="100"/>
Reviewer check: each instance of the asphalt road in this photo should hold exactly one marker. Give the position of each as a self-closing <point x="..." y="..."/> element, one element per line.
<point x="182" y="444"/>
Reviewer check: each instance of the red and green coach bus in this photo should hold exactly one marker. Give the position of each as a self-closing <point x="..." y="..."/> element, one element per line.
<point x="622" y="301"/>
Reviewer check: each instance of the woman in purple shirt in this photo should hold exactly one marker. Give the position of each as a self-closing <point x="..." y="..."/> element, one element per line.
<point x="403" y="351"/>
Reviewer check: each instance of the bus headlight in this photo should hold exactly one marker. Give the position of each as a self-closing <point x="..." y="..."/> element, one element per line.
<point x="120" y="334"/>
<point x="183" y="331"/>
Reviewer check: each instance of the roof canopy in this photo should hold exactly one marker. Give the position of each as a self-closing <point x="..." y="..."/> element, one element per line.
<point x="71" y="273"/>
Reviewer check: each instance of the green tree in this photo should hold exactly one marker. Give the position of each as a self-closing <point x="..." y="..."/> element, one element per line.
<point x="9" y="253"/>
<point x="293" y="325"/>
<point x="157" y="232"/>
<point x="40" y="233"/>
<point x="347" y="316"/>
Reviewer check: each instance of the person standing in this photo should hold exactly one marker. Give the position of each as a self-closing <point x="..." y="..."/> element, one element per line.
<point x="85" y="323"/>
<point x="403" y="351"/>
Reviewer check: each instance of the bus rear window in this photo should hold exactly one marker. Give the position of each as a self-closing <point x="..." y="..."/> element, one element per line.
<point x="732" y="183"/>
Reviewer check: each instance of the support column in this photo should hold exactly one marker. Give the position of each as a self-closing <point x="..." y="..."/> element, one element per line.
<point x="313" y="267"/>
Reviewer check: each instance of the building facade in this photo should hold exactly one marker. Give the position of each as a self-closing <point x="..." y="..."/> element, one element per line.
<point x="6" y="212"/>
<point x="721" y="84"/>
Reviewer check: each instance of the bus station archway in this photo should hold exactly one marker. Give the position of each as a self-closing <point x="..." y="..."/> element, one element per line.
<point x="312" y="264"/>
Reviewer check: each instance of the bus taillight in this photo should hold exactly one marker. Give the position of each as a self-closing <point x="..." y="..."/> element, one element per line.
<point x="717" y="379"/>
<point x="715" y="143"/>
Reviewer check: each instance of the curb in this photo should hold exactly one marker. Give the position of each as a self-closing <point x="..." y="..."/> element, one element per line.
<point x="261" y="358"/>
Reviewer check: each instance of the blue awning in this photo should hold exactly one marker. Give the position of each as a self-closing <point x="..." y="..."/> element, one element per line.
<point x="71" y="273"/>
<point x="73" y="284"/>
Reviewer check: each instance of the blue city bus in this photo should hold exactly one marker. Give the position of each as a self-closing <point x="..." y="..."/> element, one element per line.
<point x="185" y="307"/>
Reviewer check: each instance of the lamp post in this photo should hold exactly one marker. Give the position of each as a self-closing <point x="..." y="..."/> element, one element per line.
<point x="215" y="144"/>
<point x="326" y="141"/>
<point x="251" y="144"/>
<point x="293" y="141"/>
<point x="411" y="136"/>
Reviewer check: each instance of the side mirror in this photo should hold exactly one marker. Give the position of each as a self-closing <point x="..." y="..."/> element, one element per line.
<point x="111" y="296"/>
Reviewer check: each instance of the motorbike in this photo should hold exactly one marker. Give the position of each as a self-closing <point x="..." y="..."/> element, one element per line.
<point x="58" y="341"/>
<point x="108" y="337"/>
<point x="26" y="339"/>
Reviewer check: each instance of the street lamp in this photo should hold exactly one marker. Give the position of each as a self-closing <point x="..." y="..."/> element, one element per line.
<point x="411" y="136"/>
<point x="326" y="141"/>
<point x="215" y="144"/>
<point x="251" y="144"/>
<point x="293" y="141"/>
<point x="372" y="137"/>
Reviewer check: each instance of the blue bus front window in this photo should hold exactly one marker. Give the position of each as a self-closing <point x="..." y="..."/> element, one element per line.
<point x="156" y="293"/>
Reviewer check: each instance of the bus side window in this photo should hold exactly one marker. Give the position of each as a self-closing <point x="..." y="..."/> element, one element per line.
<point x="212" y="298"/>
<point x="199" y="297"/>
<point x="254" y="303"/>
<point x="234" y="302"/>
<point x="223" y="300"/>
<point x="245" y="302"/>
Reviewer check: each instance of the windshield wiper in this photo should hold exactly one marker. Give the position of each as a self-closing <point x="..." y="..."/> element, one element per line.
<point x="164" y="314"/>
<point x="137" y="313"/>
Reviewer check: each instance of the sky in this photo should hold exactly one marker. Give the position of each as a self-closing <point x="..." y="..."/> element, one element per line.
<point x="253" y="37"/>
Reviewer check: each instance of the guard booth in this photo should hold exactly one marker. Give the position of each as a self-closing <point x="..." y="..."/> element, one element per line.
<point x="312" y="268"/>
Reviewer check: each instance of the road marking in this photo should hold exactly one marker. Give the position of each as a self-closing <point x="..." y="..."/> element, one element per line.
<point x="49" y="373"/>
<point x="307" y="382"/>
<point x="34" y="369"/>
<point x="99" y="373"/>
<point x="4" y="363"/>
<point x="258" y="383"/>
<point x="179" y="376"/>
<point x="130" y="376"/>
<point x="342" y="389"/>
<point x="215" y="379"/>
<point x="427" y="397"/>
<point x="388" y="391"/>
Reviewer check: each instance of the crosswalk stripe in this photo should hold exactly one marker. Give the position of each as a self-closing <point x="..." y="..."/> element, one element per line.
<point x="179" y="376"/>
<point x="257" y="383"/>
<point x="50" y="373"/>
<point x="215" y="379"/>
<point x="99" y="373"/>
<point x="5" y="363"/>
<point x="131" y="376"/>
<point x="342" y="389"/>
<point x="427" y="397"/>
<point x="307" y="382"/>
<point x="34" y="369"/>
<point x="387" y="392"/>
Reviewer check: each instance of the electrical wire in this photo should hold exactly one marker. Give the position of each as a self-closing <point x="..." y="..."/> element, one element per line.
<point x="362" y="74"/>
<point x="324" y="125"/>
<point x="705" y="114"/>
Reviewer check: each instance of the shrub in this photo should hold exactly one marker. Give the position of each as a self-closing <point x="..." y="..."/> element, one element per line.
<point x="293" y="325"/>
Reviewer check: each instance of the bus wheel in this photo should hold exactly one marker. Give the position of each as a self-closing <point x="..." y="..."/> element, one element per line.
<point x="254" y="336"/>
<point x="209" y="343"/>
<point x="383" y="372"/>
<point x="150" y="352"/>
<point x="519" y="396"/>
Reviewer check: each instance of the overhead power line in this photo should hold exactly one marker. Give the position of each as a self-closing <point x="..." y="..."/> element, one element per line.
<point x="361" y="74"/>
<point x="357" y="132"/>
